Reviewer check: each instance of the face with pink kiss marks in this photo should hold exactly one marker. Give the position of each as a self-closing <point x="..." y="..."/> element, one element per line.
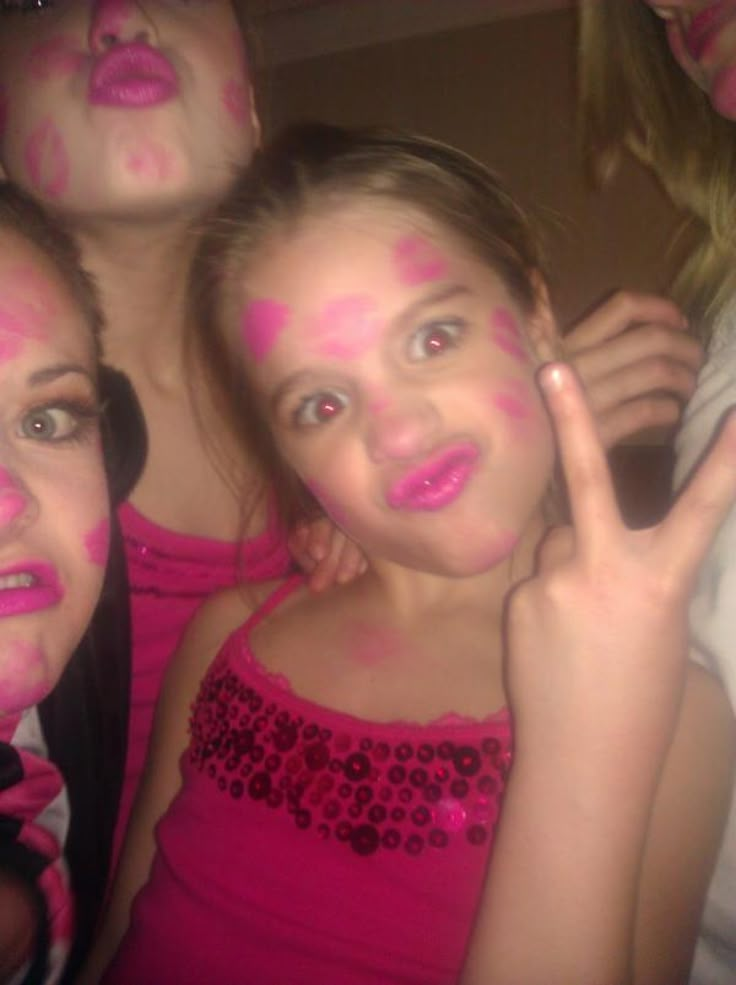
<point x="119" y="107"/>
<point x="53" y="492"/>
<point x="399" y="382"/>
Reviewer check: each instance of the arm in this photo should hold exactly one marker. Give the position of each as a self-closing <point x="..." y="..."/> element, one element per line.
<point x="162" y="778"/>
<point x="580" y="886"/>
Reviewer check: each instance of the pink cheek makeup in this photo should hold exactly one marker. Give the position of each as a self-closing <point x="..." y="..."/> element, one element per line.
<point x="97" y="543"/>
<point x="506" y="334"/>
<point x="346" y="328"/>
<point x="23" y="676"/>
<point x="47" y="161"/>
<point x="57" y="58"/>
<point x="260" y="326"/>
<point x="418" y="261"/>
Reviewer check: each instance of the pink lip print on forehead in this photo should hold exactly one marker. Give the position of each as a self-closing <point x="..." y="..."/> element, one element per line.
<point x="47" y="161"/>
<point x="56" y="58"/>
<point x="23" y="676"/>
<point x="25" y="310"/>
<point x="418" y="261"/>
<point x="346" y="327"/>
<point x="506" y="333"/>
<point x="97" y="543"/>
<point x="261" y="324"/>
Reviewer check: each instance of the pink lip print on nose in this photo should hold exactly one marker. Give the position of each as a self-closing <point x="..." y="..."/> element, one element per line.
<point x="109" y="20"/>
<point x="12" y="500"/>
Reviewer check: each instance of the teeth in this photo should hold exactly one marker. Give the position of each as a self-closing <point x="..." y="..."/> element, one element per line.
<point x="17" y="581"/>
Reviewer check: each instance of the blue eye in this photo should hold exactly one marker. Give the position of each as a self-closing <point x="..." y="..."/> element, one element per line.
<point x="434" y="339"/>
<point x="319" y="408"/>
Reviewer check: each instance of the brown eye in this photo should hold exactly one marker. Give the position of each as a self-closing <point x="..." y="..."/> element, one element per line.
<point x="434" y="339"/>
<point x="319" y="408"/>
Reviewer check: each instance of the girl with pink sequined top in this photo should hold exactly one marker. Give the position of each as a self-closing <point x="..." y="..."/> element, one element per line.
<point x="349" y="801"/>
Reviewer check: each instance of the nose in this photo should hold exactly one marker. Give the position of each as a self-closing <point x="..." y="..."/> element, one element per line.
<point x="397" y="431"/>
<point x="117" y="21"/>
<point x="17" y="506"/>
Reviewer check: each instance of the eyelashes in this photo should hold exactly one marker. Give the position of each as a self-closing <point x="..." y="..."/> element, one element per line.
<point x="60" y="422"/>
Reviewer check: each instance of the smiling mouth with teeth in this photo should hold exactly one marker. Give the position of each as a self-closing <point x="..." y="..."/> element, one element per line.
<point x="21" y="580"/>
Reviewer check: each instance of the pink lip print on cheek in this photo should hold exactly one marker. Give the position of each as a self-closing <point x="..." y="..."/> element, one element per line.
<point x="97" y="543"/>
<point x="418" y="261"/>
<point x="262" y="323"/>
<point x="236" y="102"/>
<point x="346" y="328"/>
<point x="57" y="58"/>
<point x="23" y="676"/>
<point x="12" y="500"/>
<point x="47" y="161"/>
<point x="506" y="334"/>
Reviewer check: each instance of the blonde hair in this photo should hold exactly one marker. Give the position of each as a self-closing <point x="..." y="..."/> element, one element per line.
<point x="316" y="166"/>
<point x="634" y="95"/>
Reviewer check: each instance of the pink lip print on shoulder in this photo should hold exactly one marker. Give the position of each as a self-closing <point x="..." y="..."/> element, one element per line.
<point x="56" y="58"/>
<point x="262" y="322"/>
<point x="347" y="327"/>
<point x="418" y="261"/>
<point x="97" y="543"/>
<point x="47" y="161"/>
<point x="506" y="334"/>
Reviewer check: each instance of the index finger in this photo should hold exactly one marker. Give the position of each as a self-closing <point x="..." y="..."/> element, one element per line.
<point x="590" y="490"/>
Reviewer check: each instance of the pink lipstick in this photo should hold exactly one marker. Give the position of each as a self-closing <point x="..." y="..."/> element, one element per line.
<point x="28" y="587"/>
<point x="437" y="482"/>
<point x="132" y="76"/>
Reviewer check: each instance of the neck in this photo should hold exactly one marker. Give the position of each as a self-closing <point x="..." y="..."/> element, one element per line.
<point x="142" y="274"/>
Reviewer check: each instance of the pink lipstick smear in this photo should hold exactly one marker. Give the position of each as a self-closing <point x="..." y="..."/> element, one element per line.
<point x="47" y="161"/>
<point x="506" y="334"/>
<point x="57" y="58"/>
<point x="437" y="482"/>
<point x="262" y="323"/>
<point x="346" y="328"/>
<point x="418" y="261"/>
<point x="97" y="543"/>
<point x="23" y="676"/>
<point x="132" y="76"/>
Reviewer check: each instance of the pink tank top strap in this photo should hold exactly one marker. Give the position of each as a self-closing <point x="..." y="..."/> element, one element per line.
<point x="282" y="591"/>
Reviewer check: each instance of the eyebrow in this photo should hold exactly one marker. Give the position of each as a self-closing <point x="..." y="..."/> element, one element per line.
<point x="51" y="373"/>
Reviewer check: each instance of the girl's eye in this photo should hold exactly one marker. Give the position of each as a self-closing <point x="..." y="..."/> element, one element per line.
<point x="24" y="6"/>
<point x="319" y="408"/>
<point x="57" y="423"/>
<point x="434" y="339"/>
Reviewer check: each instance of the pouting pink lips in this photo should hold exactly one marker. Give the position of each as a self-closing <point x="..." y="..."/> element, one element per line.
<point x="132" y="75"/>
<point x="42" y="591"/>
<point x="705" y="26"/>
<point x="437" y="482"/>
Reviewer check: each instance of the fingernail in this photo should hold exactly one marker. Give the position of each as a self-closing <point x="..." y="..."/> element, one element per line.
<point x="553" y="377"/>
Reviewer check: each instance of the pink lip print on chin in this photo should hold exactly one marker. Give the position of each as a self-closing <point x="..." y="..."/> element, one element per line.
<point x="150" y="161"/>
<point x="506" y="334"/>
<point x="346" y="327"/>
<point x="97" y="543"/>
<point x="57" y="58"/>
<point x="260" y="326"/>
<point x="418" y="261"/>
<point x="23" y="676"/>
<point x="47" y="161"/>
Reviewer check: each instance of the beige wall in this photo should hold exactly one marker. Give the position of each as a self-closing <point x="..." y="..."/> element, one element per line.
<point x="504" y="92"/>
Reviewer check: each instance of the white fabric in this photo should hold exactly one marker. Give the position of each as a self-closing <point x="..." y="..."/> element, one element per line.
<point x="713" y="621"/>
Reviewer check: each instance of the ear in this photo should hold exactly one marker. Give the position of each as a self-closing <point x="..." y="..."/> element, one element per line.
<point x="542" y="330"/>
<point x="255" y="120"/>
